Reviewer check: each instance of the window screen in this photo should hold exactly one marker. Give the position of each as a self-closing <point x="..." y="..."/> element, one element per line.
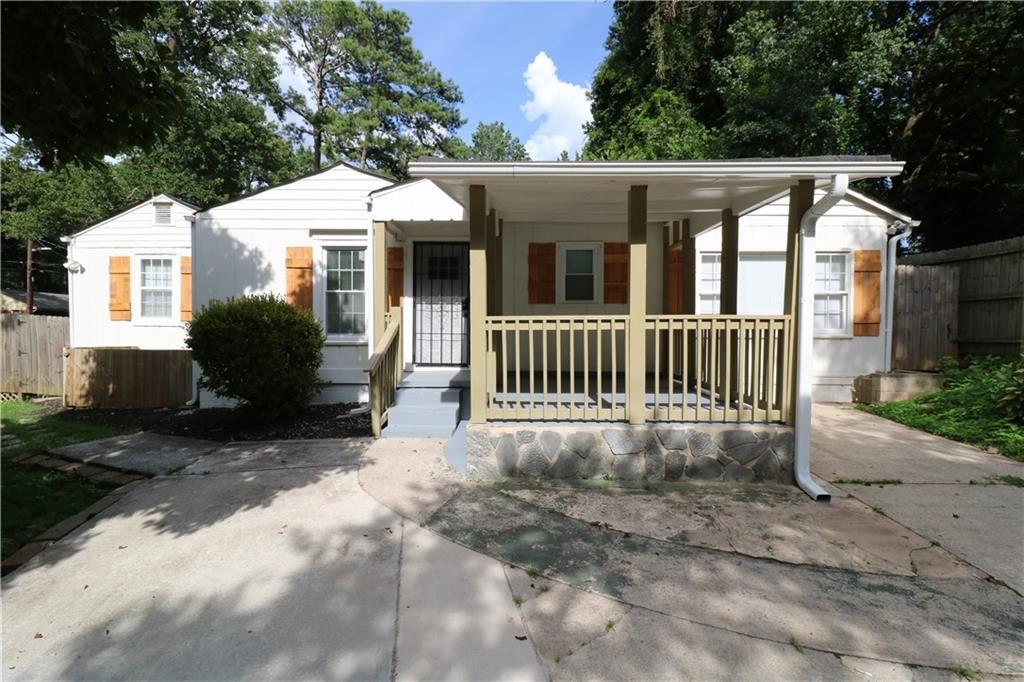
<point x="346" y="291"/>
<point x="156" y="284"/>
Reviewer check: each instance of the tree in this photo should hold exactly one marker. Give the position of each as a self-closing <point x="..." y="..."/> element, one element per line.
<point x="86" y="80"/>
<point x="495" y="142"/>
<point x="938" y="85"/>
<point x="396" y="106"/>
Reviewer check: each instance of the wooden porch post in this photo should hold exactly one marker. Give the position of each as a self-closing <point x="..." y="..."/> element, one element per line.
<point x="801" y="196"/>
<point x="637" y="361"/>
<point x="492" y="256"/>
<point x="689" y="258"/>
<point x="730" y="262"/>
<point x="380" y="274"/>
<point x="477" y="302"/>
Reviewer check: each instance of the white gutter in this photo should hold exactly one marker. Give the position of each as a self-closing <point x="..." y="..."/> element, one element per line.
<point x="654" y="170"/>
<point x="805" y="338"/>
<point x="890" y="283"/>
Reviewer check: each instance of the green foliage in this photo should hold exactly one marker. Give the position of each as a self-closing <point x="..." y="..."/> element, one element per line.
<point x="374" y="99"/>
<point x="87" y="80"/>
<point x="495" y="142"/>
<point x="34" y="498"/>
<point x="260" y="351"/>
<point x="938" y="85"/>
<point x="971" y="407"/>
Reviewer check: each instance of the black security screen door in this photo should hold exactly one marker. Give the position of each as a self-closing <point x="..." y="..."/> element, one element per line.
<point x="440" y="274"/>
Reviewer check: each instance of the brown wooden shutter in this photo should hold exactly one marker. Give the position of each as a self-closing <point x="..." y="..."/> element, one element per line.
<point x="867" y="292"/>
<point x="120" y="270"/>
<point x="299" y="264"/>
<point x="186" y="288"/>
<point x="396" y="275"/>
<point x="541" y="266"/>
<point x="616" y="272"/>
<point x="673" y="281"/>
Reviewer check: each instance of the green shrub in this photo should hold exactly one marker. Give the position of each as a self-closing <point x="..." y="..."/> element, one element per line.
<point x="259" y="351"/>
<point x="980" y="404"/>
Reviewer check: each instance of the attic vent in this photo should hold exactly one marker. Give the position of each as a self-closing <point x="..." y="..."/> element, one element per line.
<point x="162" y="213"/>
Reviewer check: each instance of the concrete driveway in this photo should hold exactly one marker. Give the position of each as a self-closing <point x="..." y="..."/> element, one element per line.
<point x="261" y="561"/>
<point x="947" y="493"/>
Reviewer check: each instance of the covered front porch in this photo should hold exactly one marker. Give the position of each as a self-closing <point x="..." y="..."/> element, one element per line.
<point x="551" y="334"/>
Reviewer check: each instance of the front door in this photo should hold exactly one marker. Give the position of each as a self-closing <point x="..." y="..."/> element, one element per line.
<point x="440" y="275"/>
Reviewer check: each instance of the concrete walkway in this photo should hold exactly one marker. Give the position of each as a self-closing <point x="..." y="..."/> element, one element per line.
<point x="261" y="561"/>
<point x="946" y="494"/>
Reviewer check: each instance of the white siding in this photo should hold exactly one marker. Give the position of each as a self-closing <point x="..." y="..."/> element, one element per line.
<point x="133" y="233"/>
<point x="240" y="249"/>
<point x="846" y="228"/>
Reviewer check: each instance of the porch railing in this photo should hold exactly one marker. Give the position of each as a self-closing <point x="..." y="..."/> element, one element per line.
<point x="385" y="369"/>
<point x="566" y="367"/>
<point x="722" y="368"/>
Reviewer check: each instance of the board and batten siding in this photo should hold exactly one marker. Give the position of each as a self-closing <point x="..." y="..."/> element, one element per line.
<point x="847" y="227"/>
<point x="133" y="234"/>
<point x="240" y="248"/>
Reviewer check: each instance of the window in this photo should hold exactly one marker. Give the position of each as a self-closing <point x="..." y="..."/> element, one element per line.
<point x="579" y="272"/>
<point x="162" y="213"/>
<point x="710" y="291"/>
<point x="346" y="296"/>
<point x="831" y="294"/>
<point x="156" y="287"/>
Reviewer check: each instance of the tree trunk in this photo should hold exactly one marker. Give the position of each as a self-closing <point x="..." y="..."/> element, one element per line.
<point x="317" y="138"/>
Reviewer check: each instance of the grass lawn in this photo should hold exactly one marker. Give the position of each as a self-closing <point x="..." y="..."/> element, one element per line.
<point x="34" y="498"/>
<point x="971" y="408"/>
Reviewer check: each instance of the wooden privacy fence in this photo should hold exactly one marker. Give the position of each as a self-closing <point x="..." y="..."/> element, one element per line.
<point x="33" y="353"/>
<point x="965" y="301"/>
<point x="127" y="377"/>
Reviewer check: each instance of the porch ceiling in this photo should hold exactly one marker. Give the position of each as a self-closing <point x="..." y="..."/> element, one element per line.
<point x="596" y="191"/>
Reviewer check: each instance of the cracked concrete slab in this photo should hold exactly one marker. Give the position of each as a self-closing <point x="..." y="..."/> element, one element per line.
<point x="143" y="452"/>
<point x="981" y="523"/>
<point x="409" y="475"/>
<point x="774" y="522"/>
<point x="342" y="453"/>
<point x="585" y="636"/>
<point x="922" y="621"/>
<point x="457" y="619"/>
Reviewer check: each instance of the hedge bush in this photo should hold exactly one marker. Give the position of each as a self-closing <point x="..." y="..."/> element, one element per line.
<point x="980" y="404"/>
<point x="260" y="351"/>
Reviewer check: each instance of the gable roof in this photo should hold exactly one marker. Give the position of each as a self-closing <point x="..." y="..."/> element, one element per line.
<point x="152" y="200"/>
<point x="304" y="176"/>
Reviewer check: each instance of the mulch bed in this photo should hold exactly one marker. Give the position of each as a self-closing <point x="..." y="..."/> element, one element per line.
<point x="221" y="424"/>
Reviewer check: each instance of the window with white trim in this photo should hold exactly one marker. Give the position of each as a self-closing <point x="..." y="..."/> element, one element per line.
<point x="162" y="213"/>
<point x="709" y="294"/>
<point x="346" y="291"/>
<point x="156" y="288"/>
<point x="832" y="294"/>
<point x="579" y="272"/>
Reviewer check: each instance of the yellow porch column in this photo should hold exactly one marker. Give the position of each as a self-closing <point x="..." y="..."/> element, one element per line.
<point x="689" y="249"/>
<point x="730" y="262"/>
<point x="637" y="361"/>
<point x="477" y="302"/>
<point x="801" y="196"/>
<point x="380" y="274"/>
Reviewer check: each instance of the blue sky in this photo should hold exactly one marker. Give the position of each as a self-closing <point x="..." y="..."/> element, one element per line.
<point x="487" y="48"/>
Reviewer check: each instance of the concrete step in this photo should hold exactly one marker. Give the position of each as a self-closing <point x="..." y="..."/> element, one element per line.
<point x="447" y="413"/>
<point x="426" y="396"/>
<point x="455" y="449"/>
<point x="397" y="430"/>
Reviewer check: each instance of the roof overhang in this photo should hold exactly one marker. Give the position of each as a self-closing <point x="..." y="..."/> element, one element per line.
<point x="587" y="191"/>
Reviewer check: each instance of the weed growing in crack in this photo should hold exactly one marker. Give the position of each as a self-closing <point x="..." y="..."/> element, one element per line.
<point x="795" y="643"/>
<point x="609" y="626"/>
<point x="533" y="573"/>
<point x="878" y="510"/>
<point x="965" y="673"/>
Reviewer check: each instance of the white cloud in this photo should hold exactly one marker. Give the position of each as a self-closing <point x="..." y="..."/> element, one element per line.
<point x="562" y="109"/>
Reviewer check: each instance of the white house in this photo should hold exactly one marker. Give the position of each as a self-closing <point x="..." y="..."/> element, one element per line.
<point x="857" y="223"/>
<point x="306" y="240"/>
<point x="129" y="277"/>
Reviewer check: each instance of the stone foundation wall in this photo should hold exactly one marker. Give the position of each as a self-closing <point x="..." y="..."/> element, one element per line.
<point x="884" y="388"/>
<point x="656" y="452"/>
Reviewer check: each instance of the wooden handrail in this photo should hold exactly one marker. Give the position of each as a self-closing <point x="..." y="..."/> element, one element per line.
<point x="384" y="370"/>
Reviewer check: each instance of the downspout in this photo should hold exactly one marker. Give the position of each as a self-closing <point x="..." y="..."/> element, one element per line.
<point x="902" y="230"/>
<point x="805" y="339"/>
